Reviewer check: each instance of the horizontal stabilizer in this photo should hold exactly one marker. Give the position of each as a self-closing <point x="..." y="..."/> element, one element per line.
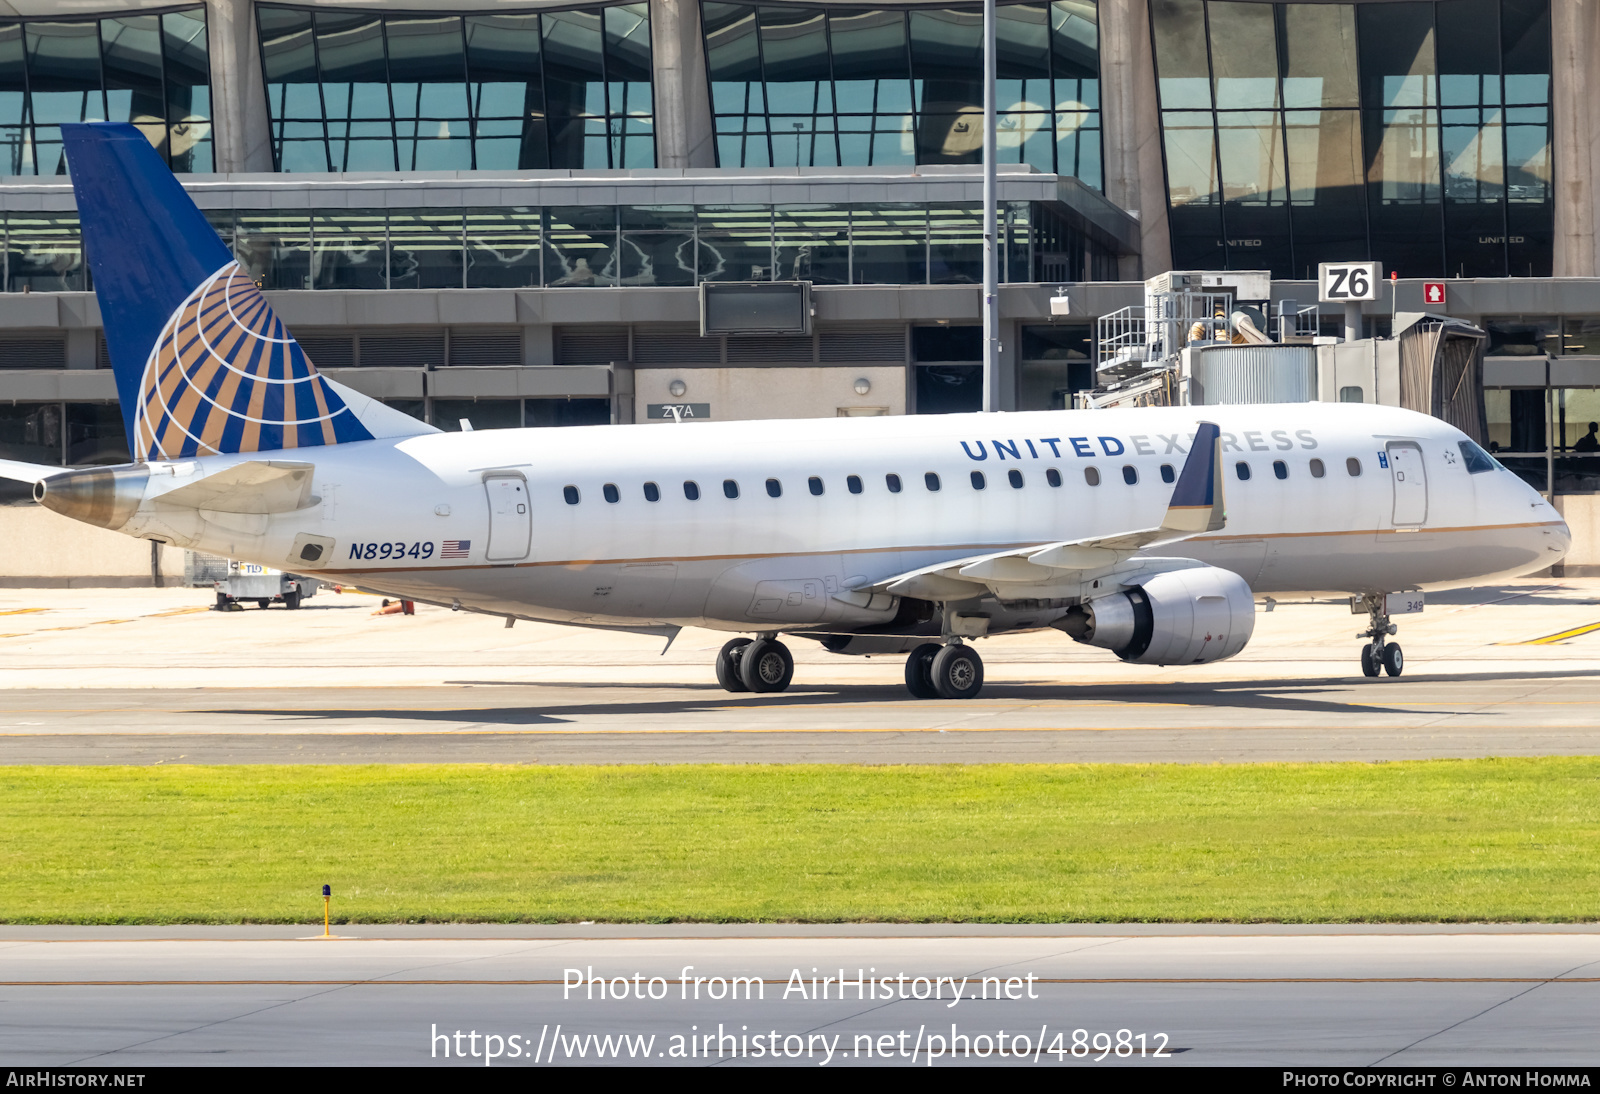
<point x="259" y="486"/>
<point x="17" y="471"/>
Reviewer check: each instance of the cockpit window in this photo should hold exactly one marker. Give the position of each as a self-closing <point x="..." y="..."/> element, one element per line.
<point x="1478" y="461"/>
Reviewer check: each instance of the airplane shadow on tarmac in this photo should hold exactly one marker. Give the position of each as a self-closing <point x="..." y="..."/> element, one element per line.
<point x="1303" y="698"/>
<point x="1486" y="595"/>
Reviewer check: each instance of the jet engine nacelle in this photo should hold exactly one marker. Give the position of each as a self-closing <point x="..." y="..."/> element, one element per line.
<point x="1181" y="617"/>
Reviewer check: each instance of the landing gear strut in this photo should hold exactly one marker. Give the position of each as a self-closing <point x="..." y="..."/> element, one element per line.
<point x="1379" y="654"/>
<point x="952" y="671"/>
<point x="762" y="665"/>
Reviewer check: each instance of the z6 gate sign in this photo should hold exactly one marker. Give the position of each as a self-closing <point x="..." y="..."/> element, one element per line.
<point x="1342" y="282"/>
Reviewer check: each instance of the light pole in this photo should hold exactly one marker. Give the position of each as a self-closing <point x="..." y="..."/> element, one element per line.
<point x="991" y="241"/>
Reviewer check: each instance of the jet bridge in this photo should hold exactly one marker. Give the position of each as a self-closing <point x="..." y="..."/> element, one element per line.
<point x="1209" y="338"/>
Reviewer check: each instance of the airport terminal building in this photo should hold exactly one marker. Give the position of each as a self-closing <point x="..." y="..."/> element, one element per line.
<point x="503" y="213"/>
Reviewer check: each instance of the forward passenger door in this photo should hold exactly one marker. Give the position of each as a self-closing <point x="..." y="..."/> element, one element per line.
<point x="1410" y="483"/>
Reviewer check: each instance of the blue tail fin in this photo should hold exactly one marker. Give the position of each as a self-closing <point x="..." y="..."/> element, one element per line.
<point x="203" y="365"/>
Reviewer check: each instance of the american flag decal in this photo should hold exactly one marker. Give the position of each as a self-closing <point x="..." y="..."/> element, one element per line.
<point x="456" y="548"/>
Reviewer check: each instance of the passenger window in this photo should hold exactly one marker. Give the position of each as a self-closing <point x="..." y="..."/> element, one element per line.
<point x="1316" y="469"/>
<point x="1168" y="474"/>
<point x="691" y="490"/>
<point x="977" y="480"/>
<point x="853" y="482"/>
<point x="1280" y="469"/>
<point x="1242" y="469"/>
<point x="774" y="489"/>
<point x="1353" y="466"/>
<point x="1091" y="475"/>
<point x="893" y="482"/>
<point x="1015" y="477"/>
<point x="931" y="480"/>
<point x="571" y="494"/>
<point x="1130" y="474"/>
<point x="1053" y="477"/>
<point x="730" y="489"/>
<point x="610" y="491"/>
<point x="652" y="492"/>
<point x="815" y="484"/>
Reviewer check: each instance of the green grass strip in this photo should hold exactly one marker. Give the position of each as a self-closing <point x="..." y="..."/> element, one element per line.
<point x="1506" y="839"/>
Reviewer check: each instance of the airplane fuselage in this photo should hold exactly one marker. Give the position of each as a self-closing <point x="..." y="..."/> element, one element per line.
<point x="778" y="525"/>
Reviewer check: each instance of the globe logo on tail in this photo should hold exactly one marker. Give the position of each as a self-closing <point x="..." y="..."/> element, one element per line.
<point x="227" y="376"/>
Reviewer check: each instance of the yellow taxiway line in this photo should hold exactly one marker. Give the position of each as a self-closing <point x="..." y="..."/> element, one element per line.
<point x="1560" y="637"/>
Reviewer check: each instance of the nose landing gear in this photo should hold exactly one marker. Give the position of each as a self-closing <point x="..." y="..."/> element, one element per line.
<point x="1379" y="654"/>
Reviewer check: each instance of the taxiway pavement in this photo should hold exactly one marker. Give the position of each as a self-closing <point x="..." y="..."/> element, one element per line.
<point x="1319" y="996"/>
<point x="151" y="676"/>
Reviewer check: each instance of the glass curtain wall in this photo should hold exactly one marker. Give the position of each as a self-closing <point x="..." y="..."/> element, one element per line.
<point x="888" y="243"/>
<point x="372" y="91"/>
<point x="812" y="87"/>
<point x="1413" y="133"/>
<point x="150" y="70"/>
<point x="589" y="246"/>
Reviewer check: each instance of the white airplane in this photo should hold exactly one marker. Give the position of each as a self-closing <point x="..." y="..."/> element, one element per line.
<point x="908" y="535"/>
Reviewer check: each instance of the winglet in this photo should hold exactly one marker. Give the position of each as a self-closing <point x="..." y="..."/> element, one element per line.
<point x="1196" y="504"/>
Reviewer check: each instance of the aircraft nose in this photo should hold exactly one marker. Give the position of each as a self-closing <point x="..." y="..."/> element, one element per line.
<point x="1562" y="536"/>
<point x="1554" y="534"/>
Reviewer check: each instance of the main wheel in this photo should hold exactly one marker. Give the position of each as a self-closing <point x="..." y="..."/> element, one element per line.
<point x="1394" y="662"/>
<point x="919" y="671"/>
<point x="957" y="672"/>
<point x="766" y="665"/>
<point x="728" y="664"/>
<point x="1369" y="660"/>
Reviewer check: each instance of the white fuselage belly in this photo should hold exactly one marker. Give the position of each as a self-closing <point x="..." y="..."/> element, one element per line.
<point x="788" y="562"/>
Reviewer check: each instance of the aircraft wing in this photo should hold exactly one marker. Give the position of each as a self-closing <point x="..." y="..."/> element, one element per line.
<point x="17" y="471"/>
<point x="1196" y="506"/>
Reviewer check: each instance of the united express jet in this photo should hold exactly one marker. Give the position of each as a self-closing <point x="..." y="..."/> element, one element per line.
<point x="913" y="535"/>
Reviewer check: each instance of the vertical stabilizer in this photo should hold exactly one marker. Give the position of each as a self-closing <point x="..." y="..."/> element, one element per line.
<point x="203" y="365"/>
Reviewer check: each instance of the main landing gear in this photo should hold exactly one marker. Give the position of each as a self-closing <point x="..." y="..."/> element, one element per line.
<point x="760" y="665"/>
<point x="952" y="671"/>
<point x="1380" y="655"/>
